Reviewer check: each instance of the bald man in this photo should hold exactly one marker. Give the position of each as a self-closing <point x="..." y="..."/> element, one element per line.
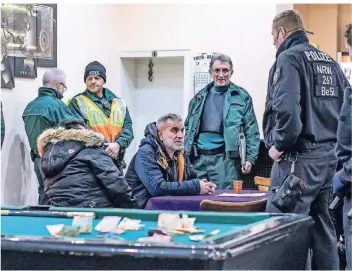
<point x="45" y="111"/>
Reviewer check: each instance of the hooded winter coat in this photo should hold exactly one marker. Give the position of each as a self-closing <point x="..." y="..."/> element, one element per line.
<point x="79" y="173"/>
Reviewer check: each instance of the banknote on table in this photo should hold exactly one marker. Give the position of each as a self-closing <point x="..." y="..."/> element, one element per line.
<point x="55" y="230"/>
<point x="108" y="224"/>
<point x="169" y="221"/>
<point x="130" y="224"/>
<point x="69" y="230"/>
<point x="85" y="223"/>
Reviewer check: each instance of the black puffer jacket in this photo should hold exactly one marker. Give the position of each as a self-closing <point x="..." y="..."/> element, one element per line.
<point x="79" y="173"/>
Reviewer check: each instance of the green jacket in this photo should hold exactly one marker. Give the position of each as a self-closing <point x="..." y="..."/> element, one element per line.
<point x="2" y="126"/>
<point x="238" y="111"/>
<point x="126" y="136"/>
<point x="45" y="111"/>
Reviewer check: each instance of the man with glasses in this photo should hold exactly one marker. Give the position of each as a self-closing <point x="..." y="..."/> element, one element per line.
<point x="44" y="112"/>
<point x="104" y="113"/>
<point x="216" y="116"/>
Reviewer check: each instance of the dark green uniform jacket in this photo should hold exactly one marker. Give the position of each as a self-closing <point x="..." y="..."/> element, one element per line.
<point x="45" y="111"/>
<point x="238" y="111"/>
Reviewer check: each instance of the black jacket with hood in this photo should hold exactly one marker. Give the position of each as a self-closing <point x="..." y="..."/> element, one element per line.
<point x="79" y="173"/>
<point x="153" y="173"/>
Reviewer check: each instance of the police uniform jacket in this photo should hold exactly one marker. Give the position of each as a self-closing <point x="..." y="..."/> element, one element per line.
<point x="304" y="98"/>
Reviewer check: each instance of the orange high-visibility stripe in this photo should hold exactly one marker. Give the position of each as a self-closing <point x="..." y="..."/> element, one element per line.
<point x="110" y="127"/>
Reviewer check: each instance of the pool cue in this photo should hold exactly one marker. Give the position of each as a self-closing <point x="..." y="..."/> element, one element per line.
<point x="46" y="213"/>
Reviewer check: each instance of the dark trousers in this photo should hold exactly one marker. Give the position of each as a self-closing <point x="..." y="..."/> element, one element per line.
<point x="218" y="168"/>
<point x="316" y="168"/>
<point x="38" y="172"/>
<point x="347" y="228"/>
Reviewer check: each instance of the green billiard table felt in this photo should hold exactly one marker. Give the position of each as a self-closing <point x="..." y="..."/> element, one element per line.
<point x="36" y="226"/>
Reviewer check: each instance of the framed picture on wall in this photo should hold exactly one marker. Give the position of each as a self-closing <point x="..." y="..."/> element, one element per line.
<point x="30" y="31"/>
<point x="7" y="72"/>
<point x="18" y="30"/>
<point x="47" y="35"/>
<point x="25" y="67"/>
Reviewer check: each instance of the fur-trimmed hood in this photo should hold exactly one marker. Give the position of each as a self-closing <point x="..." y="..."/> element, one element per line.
<point x="89" y="138"/>
<point x="59" y="146"/>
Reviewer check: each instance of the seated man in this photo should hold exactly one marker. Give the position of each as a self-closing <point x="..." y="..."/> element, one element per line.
<point x="78" y="172"/>
<point x="160" y="167"/>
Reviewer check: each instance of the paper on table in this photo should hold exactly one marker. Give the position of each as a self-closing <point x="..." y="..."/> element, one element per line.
<point x="169" y="221"/>
<point x="130" y="224"/>
<point x="108" y="224"/>
<point x="250" y="195"/>
<point x="85" y="223"/>
<point x="55" y="230"/>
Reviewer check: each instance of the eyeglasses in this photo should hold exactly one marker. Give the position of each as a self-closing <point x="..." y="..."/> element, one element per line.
<point x="63" y="85"/>
<point x="224" y="71"/>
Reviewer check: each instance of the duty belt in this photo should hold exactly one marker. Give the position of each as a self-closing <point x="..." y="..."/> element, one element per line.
<point x="212" y="152"/>
<point x="308" y="147"/>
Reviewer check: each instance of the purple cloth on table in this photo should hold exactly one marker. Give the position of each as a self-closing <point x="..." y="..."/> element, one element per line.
<point x="192" y="203"/>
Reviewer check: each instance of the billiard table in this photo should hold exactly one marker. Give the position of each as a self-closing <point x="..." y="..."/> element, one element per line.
<point x="245" y="241"/>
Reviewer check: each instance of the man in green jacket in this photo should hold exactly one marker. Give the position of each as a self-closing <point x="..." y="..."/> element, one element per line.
<point x="104" y="113"/>
<point x="44" y="112"/>
<point x="216" y="116"/>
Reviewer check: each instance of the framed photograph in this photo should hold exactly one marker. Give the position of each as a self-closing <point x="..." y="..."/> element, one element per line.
<point x="30" y="31"/>
<point x="25" y="67"/>
<point x="47" y="35"/>
<point x="7" y="72"/>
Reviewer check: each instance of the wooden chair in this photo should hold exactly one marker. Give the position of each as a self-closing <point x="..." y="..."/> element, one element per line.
<point x="262" y="183"/>
<point x="219" y="206"/>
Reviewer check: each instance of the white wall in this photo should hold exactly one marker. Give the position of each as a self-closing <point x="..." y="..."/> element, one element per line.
<point x="85" y="33"/>
<point x="98" y="32"/>
<point x="283" y="7"/>
<point x="150" y="100"/>
<point x="241" y="31"/>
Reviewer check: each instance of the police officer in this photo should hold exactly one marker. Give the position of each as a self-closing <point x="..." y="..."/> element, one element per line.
<point x="305" y="94"/>
<point x="216" y="116"/>
<point x="343" y="178"/>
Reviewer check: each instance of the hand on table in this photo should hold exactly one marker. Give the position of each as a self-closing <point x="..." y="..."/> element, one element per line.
<point x="247" y="167"/>
<point x="206" y="187"/>
<point x="275" y="154"/>
<point x="113" y="149"/>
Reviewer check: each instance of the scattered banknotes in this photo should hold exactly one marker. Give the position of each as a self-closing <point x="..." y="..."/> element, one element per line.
<point x="130" y="224"/>
<point x="169" y="221"/>
<point x="69" y="230"/>
<point x="85" y="223"/>
<point x="55" y="230"/>
<point x="108" y="224"/>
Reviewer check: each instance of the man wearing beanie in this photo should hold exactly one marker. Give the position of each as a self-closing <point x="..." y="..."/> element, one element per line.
<point x="103" y="112"/>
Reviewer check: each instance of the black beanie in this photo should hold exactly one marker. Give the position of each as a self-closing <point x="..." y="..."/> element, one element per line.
<point x="95" y="68"/>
